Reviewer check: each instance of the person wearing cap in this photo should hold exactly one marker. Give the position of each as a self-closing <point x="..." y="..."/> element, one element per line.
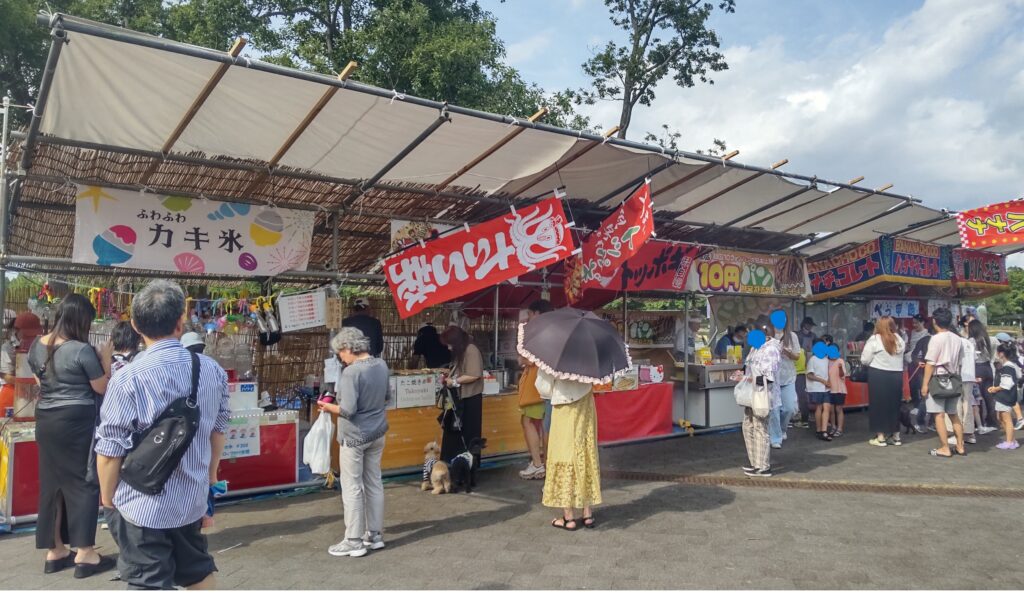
<point x="362" y="320"/>
<point x="193" y="342"/>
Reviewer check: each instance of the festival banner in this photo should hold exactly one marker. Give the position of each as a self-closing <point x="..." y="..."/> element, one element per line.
<point x="465" y="261"/>
<point x="897" y="309"/>
<point x="658" y="266"/>
<point x="123" y="229"/>
<point x="849" y="271"/>
<point x="731" y="272"/>
<point x="620" y="236"/>
<point x="996" y="224"/>
<point x="406" y="232"/>
<point x="973" y="268"/>
<point x="915" y="262"/>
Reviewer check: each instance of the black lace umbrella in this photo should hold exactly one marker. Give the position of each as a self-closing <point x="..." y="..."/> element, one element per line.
<point x="574" y="345"/>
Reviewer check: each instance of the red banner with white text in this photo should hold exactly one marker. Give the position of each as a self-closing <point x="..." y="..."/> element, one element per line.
<point x="997" y="224"/>
<point x="658" y="266"/>
<point x="620" y="236"/>
<point x="463" y="261"/>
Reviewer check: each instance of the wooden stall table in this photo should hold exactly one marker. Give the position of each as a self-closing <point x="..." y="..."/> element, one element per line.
<point x="409" y="430"/>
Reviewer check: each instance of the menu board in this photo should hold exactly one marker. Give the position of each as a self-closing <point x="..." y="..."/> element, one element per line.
<point x="303" y="311"/>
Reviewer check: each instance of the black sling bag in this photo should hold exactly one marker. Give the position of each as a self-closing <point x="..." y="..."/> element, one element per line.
<point x="157" y="451"/>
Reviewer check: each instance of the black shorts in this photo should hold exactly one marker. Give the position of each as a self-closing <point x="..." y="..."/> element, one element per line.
<point x="837" y="399"/>
<point x="160" y="558"/>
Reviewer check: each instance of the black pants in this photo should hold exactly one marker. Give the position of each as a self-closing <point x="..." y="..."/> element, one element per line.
<point x="160" y="558"/>
<point x="453" y="442"/>
<point x="65" y="436"/>
<point x="983" y="371"/>
<point x="885" y="389"/>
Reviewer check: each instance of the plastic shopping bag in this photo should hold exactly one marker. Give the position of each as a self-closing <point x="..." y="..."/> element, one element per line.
<point x="316" y="449"/>
<point x="761" y="401"/>
<point x="744" y="391"/>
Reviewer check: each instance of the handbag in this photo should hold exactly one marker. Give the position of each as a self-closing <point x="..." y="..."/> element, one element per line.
<point x="946" y="385"/>
<point x="860" y="374"/>
<point x="761" y="403"/>
<point x="157" y="451"/>
<point x="450" y="404"/>
<point x="744" y="391"/>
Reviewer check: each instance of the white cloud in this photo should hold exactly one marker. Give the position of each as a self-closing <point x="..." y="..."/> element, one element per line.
<point x="935" y="106"/>
<point x="523" y="51"/>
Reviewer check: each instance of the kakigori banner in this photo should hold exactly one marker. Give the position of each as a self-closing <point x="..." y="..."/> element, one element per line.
<point x="123" y="229"/>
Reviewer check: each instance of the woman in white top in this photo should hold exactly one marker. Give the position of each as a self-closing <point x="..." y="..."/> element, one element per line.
<point x="883" y="356"/>
<point x="779" y="418"/>
<point x="573" y="471"/>
<point x="763" y="366"/>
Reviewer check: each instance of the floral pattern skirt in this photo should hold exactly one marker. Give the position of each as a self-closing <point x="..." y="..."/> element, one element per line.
<point x="573" y="468"/>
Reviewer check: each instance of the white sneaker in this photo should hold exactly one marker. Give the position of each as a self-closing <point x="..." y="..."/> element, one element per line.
<point x="1020" y="424"/>
<point x="373" y="541"/>
<point x="354" y="549"/>
<point x="986" y="430"/>
<point x="532" y="472"/>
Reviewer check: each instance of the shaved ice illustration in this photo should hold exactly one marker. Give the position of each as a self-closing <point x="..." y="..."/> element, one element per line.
<point x="267" y="228"/>
<point x="176" y="203"/>
<point x="247" y="262"/>
<point x="229" y="210"/>
<point x="187" y="262"/>
<point x="115" y="245"/>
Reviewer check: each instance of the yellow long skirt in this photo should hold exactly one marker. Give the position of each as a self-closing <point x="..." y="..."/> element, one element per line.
<point x="573" y="468"/>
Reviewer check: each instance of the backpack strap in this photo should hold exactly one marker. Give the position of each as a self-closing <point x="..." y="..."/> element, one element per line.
<point x="193" y="396"/>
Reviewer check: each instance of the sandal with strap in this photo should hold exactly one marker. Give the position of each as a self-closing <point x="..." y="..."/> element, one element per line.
<point x="565" y="524"/>
<point x="588" y="522"/>
<point x="935" y="453"/>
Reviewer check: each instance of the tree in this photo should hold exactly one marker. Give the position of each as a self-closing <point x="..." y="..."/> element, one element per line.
<point x="664" y="36"/>
<point x="1008" y="305"/>
<point x="669" y="140"/>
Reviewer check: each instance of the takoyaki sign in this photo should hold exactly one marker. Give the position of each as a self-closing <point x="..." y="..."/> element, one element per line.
<point x="467" y="260"/>
<point x="123" y="229"/>
<point x="731" y="272"/>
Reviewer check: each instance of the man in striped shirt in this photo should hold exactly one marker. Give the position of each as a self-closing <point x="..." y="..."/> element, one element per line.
<point x="160" y="535"/>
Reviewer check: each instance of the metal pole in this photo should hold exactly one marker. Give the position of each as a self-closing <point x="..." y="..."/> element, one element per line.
<point x="334" y="241"/>
<point x="3" y="205"/>
<point x="497" y="318"/>
<point x="84" y="26"/>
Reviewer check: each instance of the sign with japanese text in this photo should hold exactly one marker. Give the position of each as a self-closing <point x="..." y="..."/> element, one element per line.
<point x="731" y="272"/>
<point x="645" y="328"/>
<point x="658" y="266"/>
<point x="118" y="228"/>
<point x="974" y="268"/>
<point x="915" y="262"/>
<point x="466" y="261"/>
<point x="848" y="271"/>
<point x="996" y="224"/>
<point x="303" y="311"/>
<point x="897" y="309"/>
<point x="620" y="236"/>
<point x="405" y="232"/>
<point x="935" y="304"/>
<point x="242" y="437"/>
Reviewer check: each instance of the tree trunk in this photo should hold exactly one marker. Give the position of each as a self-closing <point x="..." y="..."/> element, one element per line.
<point x="627" y="109"/>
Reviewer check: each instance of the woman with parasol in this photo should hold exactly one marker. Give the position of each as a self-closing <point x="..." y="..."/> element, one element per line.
<point x="573" y="350"/>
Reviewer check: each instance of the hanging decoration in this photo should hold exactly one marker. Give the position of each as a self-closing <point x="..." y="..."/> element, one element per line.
<point x="996" y="224"/>
<point x="121" y="228"/>
<point x="620" y="237"/>
<point x="470" y="259"/>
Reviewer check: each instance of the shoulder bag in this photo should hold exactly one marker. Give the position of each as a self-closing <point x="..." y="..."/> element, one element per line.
<point x="158" y="450"/>
<point x="945" y="386"/>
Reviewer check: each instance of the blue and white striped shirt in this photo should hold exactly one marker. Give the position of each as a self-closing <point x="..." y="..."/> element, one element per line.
<point x="135" y="397"/>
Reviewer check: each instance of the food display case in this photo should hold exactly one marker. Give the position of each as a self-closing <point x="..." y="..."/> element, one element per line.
<point x="703" y="394"/>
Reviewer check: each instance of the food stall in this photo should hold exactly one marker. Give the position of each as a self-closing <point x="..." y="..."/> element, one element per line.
<point x="895" y="277"/>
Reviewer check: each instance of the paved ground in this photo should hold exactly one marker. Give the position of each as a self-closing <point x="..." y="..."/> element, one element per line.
<point x="842" y="515"/>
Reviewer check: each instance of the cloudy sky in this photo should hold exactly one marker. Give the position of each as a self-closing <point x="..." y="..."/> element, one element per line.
<point x="928" y="95"/>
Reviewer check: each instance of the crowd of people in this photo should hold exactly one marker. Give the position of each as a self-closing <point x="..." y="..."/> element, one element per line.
<point x="963" y="383"/>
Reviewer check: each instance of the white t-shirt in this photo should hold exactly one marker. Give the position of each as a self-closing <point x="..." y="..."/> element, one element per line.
<point x="945" y="352"/>
<point x="7" y="366"/>
<point x="819" y="367"/>
<point x="967" y="372"/>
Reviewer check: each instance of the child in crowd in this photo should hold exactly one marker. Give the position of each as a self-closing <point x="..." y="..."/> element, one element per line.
<point x="817" y="387"/>
<point x="837" y="387"/>
<point x="1006" y="392"/>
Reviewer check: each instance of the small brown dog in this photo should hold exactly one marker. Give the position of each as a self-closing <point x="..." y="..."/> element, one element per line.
<point x="435" y="471"/>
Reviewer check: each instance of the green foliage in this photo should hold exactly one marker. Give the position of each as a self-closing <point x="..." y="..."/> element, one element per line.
<point x="1009" y="304"/>
<point x="663" y="37"/>
<point x="438" y="49"/>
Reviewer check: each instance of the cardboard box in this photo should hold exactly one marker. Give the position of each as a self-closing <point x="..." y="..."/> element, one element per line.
<point x="243" y="396"/>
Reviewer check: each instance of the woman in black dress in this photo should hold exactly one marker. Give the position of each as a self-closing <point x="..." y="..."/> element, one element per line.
<point x="71" y="377"/>
<point x="467" y="382"/>
<point x="883" y="356"/>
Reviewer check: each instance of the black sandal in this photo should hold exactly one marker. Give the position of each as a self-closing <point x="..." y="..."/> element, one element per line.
<point x="565" y="524"/>
<point x="55" y="566"/>
<point x="588" y="522"/>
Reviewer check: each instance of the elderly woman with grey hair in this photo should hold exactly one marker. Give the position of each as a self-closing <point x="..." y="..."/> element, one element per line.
<point x="362" y="400"/>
